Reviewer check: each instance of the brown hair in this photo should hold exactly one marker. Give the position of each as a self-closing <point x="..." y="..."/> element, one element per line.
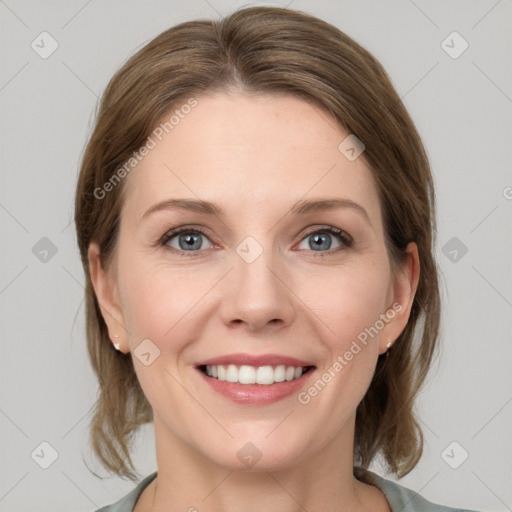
<point x="266" y="50"/>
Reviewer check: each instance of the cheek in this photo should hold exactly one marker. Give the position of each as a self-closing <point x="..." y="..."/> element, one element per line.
<point x="347" y="299"/>
<point x="349" y="304"/>
<point x="160" y="302"/>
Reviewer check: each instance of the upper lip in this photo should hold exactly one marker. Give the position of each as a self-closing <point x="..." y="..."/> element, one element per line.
<point x="255" y="360"/>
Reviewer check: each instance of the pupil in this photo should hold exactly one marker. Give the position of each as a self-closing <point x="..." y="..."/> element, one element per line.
<point x="319" y="239"/>
<point x="190" y="240"/>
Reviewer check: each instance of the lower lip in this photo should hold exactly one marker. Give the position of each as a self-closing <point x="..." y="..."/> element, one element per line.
<point x="256" y="394"/>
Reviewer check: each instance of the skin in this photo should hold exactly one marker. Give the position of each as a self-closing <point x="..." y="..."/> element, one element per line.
<point x="254" y="156"/>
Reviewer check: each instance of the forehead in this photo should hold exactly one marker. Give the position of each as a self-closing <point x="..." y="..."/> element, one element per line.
<point x="248" y="152"/>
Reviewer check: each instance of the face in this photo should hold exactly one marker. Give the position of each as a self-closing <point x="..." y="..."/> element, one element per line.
<point x="263" y="281"/>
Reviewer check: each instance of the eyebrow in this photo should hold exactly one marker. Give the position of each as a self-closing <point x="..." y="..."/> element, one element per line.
<point x="301" y="207"/>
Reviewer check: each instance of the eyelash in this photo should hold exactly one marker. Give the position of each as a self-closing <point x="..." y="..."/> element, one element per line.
<point x="345" y="239"/>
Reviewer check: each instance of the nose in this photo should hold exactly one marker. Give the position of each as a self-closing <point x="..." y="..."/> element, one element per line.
<point x="257" y="295"/>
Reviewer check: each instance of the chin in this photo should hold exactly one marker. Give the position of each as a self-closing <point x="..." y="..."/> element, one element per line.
<point x="258" y="454"/>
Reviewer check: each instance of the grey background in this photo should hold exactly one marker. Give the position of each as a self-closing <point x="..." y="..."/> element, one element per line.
<point x="462" y="108"/>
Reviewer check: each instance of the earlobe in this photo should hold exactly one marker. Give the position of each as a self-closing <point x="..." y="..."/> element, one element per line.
<point x="104" y="288"/>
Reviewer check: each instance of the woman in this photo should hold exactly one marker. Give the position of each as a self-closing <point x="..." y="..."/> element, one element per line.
<point x="255" y="216"/>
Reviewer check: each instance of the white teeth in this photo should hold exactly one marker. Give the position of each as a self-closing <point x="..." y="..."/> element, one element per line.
<point x="280" y="373"/>
<point x="247" y="375"/>
<point x="290" y="373"/>
<point x="232" y="373"/>
<point x="265" y="375"/>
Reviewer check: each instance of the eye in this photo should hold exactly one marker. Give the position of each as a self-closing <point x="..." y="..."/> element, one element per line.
<point x="185" y="239"/>
<point x="189" y="241"/>
<point x="321" y="240"/>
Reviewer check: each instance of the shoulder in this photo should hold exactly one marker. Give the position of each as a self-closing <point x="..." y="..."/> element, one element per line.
<point x="403" y="499"/>
<point x="127" y="502"/>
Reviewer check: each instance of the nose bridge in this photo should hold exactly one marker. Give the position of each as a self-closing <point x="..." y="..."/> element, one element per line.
<point x="258" y="294"/>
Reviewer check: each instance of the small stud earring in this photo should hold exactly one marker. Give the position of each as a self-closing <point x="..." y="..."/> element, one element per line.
<point x="117" y="345"/>
<point x="389" y="344"/>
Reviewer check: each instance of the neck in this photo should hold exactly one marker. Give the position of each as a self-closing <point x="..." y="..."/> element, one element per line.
<point x="188" y="481"/>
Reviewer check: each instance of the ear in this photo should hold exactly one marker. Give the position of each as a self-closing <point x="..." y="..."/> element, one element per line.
<point x="402" y="293"/>
<point x="105" y="288"/>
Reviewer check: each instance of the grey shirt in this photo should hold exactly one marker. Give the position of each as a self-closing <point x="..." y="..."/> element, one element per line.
<point x="400" y="498"/>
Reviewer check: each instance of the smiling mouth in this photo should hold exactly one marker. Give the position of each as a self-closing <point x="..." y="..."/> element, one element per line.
<point x="245" y="374"/>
